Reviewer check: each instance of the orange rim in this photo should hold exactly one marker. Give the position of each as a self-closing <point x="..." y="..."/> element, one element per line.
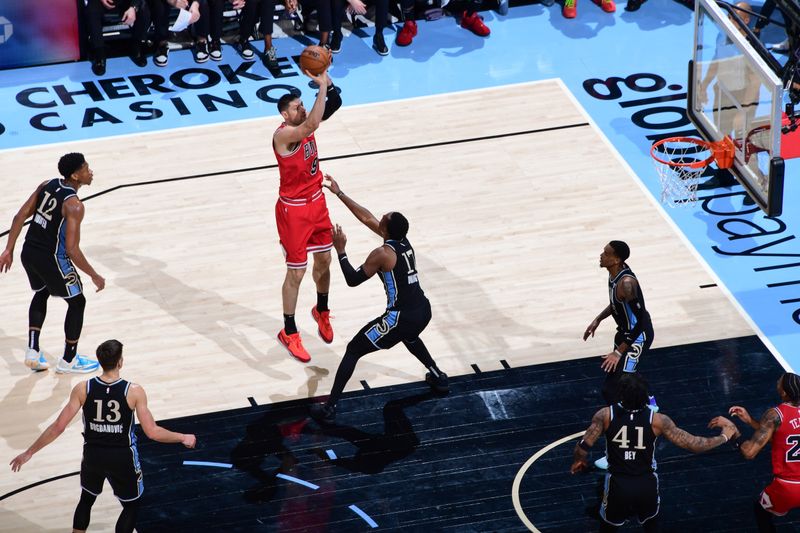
<point x="721" y="151"/>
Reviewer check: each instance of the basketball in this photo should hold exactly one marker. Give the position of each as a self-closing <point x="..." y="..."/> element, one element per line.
<point x="315" y="59"/>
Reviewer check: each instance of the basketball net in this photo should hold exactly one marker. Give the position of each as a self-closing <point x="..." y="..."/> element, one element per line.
<point x="681" y="162"/>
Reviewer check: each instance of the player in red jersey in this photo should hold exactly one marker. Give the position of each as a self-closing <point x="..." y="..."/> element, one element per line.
<point x="301" y="212"/>
<point x="781" y="425"/>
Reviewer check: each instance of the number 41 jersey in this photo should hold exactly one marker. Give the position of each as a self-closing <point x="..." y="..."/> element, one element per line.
<point x="630" y="441"/>
<point x="786" y="444"/>
<point x="107" y="418"/>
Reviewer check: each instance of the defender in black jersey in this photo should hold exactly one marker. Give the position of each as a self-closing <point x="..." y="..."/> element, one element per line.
<point x="631" y="430"/>
<point x="408" y="310"/>
<point x="50" y="254"/>
<point x="108" y="404"/>
<point x="634" y="329"/>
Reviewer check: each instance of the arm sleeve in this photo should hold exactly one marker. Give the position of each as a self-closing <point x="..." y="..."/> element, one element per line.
<point x="353" y="277"/>
<point x="642" y="322"/>
<point x="332" y="102"/>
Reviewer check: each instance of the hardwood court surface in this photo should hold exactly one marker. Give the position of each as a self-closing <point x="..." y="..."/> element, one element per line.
<point x="507" y="229"/>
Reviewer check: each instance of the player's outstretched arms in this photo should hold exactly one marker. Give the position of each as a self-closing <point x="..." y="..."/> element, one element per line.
<point x="76" y="399"/>
<point x="663" y="425"/>
<point x="742" y="414"/>
<point x="363" y="214"/>
<point x="149" y="426"/>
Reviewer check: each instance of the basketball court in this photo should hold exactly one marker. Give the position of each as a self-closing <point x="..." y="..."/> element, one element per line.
<point x="510" y="205"/>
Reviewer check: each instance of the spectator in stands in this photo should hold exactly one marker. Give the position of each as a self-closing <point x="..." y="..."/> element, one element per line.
<point x="199" y="21"/>
<point x="324" y="9"/>
<point x="216" y="10"/>
<point x="159" y="11"/>
<point x="133" y="13"/>
<point x="766" y="12"/>
<point x="469" y="20"/>
<point x="570" y="10"/>
<point x="263" y="11"/>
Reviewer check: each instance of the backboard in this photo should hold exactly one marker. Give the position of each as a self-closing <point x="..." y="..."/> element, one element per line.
<point x="736" y="91"/>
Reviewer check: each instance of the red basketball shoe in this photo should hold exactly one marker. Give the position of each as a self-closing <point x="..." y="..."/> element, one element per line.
<point x="608" y="5"/>
<point x="406" y="33"/>
<point x="570" y="10"/>
<point x="294" y="345"/>
<point x="474" y="23"/>
<point x="324" y="327"/>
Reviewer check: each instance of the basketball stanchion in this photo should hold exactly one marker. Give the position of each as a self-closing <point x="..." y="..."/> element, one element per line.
<point x="681" y="162"/>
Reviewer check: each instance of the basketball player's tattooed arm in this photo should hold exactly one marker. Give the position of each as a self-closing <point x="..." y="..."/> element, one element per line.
<point x="73" y="213"/>
<point x="26" y="211"/>
<point x="593" y="432"/>
<point x="76" y="399"/>
<point x="363" y="214"/>
<point x="769" y="423"/>
<point x="663" y="425"/>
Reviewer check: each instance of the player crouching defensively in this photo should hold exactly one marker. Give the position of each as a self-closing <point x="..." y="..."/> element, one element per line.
<point x="408" y="310"/>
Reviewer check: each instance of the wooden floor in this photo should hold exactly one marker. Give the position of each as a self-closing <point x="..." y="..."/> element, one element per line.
<point x="508" y="233"/>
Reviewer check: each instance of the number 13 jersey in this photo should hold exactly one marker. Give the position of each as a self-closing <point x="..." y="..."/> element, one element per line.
<point x="107" y="418"/>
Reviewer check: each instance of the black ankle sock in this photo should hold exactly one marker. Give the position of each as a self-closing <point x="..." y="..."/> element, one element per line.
<point x="70" y="351"/>
<point x="288" y="324"/>
<point x="33" y="339"/>
<point x="322" y="301"/>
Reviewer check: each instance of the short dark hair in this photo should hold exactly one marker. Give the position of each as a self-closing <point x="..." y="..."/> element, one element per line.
<point x="285" y="100"/>
<point x="790" y="383"/>
<point x="397" y="226"/>
<point x="633" y="391"/>
<point x="621" y="249"/>
<point x="109" y="353"/>
<point x="69" y="163"/>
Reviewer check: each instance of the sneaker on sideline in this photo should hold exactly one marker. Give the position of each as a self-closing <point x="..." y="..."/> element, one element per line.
<point x="215" y="50"/>
<point x="36" y="360"/>
<point x="271" y="57"/>
<point x="201" y="51"/>
<point x="79" y="365"/>
<point x="474" y="23"/>
<point x="161" y="57"/>
<point x="405" y="35"/>
<point x="502" y="7"/>
<point x="294" y="345"/>
<point x="570" y="10"/>
<point x="379" y="45"/>
<point x="245" y="50"/>
<point x="607" y="5"/>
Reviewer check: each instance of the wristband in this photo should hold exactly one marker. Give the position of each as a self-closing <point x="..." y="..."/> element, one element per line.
<point x="583" y="446"/>
<point x="617" y="352"/>
<point x="737" y="442"/>
<point x="724" y="436"/>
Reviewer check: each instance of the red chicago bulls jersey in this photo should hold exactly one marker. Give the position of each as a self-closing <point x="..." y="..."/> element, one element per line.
<point x="299" y="170"/>
<point x="786" y="444"/>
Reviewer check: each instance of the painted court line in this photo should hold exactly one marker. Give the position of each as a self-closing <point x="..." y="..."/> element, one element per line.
<point x="372" y="523"/>
<point x="207" y="463"/>
<point x="521" y="474"/>
<point x="298" y="481"/>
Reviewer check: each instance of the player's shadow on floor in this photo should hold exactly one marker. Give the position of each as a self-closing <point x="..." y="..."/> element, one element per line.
<point x="205" y="312"/>
<point x="266" y="439"/>
<point x="376" y="451"/>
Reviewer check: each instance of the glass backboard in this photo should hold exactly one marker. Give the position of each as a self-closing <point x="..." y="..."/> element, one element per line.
<point x="735" y="93"/>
